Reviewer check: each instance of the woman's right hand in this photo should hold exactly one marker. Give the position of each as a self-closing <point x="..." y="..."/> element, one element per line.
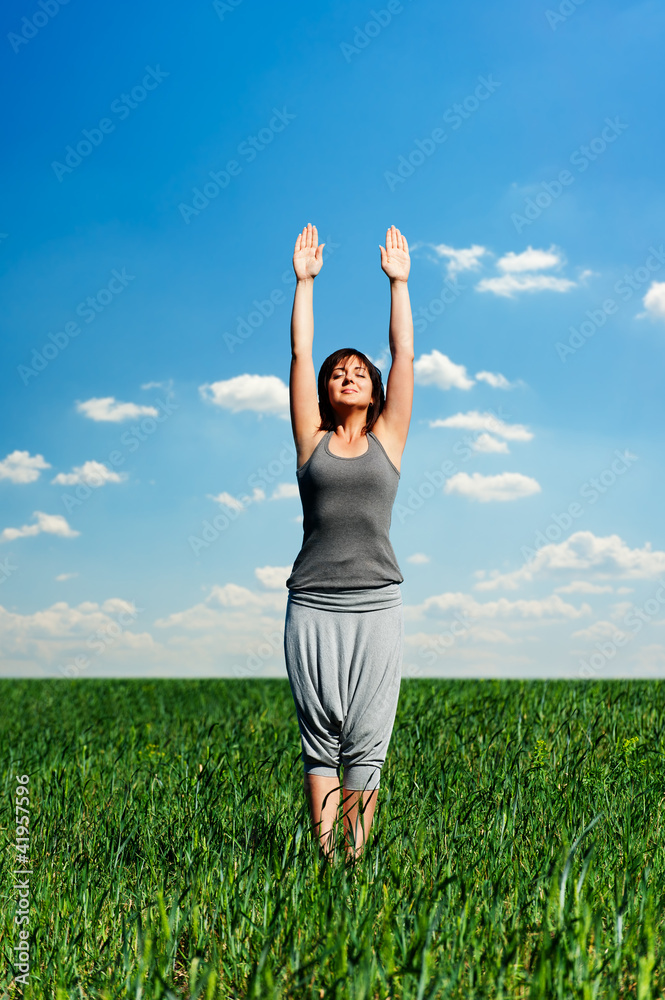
<point x="308" y="255"/>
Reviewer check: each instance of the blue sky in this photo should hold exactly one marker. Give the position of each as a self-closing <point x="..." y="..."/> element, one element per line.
<point x="159" y="163"/>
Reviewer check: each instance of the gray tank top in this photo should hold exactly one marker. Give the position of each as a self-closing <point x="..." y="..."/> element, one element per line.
<point x="347" y="508"/>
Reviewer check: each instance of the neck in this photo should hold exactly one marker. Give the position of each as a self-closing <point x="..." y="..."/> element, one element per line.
<point x="351" y="429"/>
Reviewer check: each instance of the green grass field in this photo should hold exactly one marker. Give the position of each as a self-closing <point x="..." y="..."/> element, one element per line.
<point x="516" y="850"/>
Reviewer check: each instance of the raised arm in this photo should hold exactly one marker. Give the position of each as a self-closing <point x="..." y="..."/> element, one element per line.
<point x="303" y="396"/>
<point x="396" y="263"/>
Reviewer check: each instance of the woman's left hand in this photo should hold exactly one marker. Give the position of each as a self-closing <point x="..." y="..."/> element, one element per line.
<point x="395" y="259"/>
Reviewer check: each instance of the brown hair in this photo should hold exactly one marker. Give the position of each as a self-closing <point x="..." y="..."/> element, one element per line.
<point x="328" y="417"/>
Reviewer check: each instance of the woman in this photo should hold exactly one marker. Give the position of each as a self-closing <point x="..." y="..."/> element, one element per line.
<point x="344" y="630"/>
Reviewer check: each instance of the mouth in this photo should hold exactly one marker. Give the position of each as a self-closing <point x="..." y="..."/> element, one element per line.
<point x="349" y="390"/>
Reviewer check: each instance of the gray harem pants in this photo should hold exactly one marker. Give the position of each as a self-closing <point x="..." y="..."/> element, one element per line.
<point x="343" y="654"/>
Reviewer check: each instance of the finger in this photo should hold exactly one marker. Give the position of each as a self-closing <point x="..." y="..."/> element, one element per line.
<point x="298" y="242"/>
<point x="389" y="239"/>
<point x="309" y="234"/>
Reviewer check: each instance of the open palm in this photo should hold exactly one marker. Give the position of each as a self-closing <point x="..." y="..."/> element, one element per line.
<point x="395" y="259"/>
<point x="308" y="255"/>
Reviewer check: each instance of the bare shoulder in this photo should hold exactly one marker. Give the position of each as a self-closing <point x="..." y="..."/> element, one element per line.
<point x="393" y="446"/>
<point x="305" y="448"/>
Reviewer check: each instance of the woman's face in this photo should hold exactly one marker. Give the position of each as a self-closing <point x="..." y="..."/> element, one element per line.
<point x="350" y="385"/>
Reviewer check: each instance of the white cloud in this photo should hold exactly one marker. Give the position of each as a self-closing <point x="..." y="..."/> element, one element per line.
<point x="60" y="620"/>
<point x="649" y="660"/>
<point x="654" y="300"/>
<point x="483" y="634"/>
<point x="299" y="519"/>
<point x="107" y="408"/>
<point x="61" y="577"/>
<point x="231" y="595"/>
<point x="445" y="646"/>
<point x="51" y="524"/>
<point x="236" y="634"/>
<point x="584" y="587"/>
<point x="496" y="380"/>
<point x="380" y="360"/>
<point x="605" y="557"/>
<point x="442" y="643"/>
<point x="485" y="443"/>
<point x="552" y="607"/>
<point x="285" y="491"/>
<point x="460" y="260"/>
<point x="274" y="577"/>
<point x="619" y="609"/>
<point x="159" y="385"/>
<point x="22" y="467"/>
<point x="599" y="630"/>
<point x="472" y="420"/>
<point x="508" y="284"/>
<point x="238" y="503"/>
<point x="517" y="273"/>
<point x="260" y="393"/>
<point x="437" y="369"/>
<point x="94" y="632"/>
<point x="417" y="558"/>
<point x="92" y="473"/>
<point x="504" y="486"/>
<point x="228" y="599"/>
<point x="530" y="260"/>
<point x="234" y="631"/>
<point x="228" y="500"/>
